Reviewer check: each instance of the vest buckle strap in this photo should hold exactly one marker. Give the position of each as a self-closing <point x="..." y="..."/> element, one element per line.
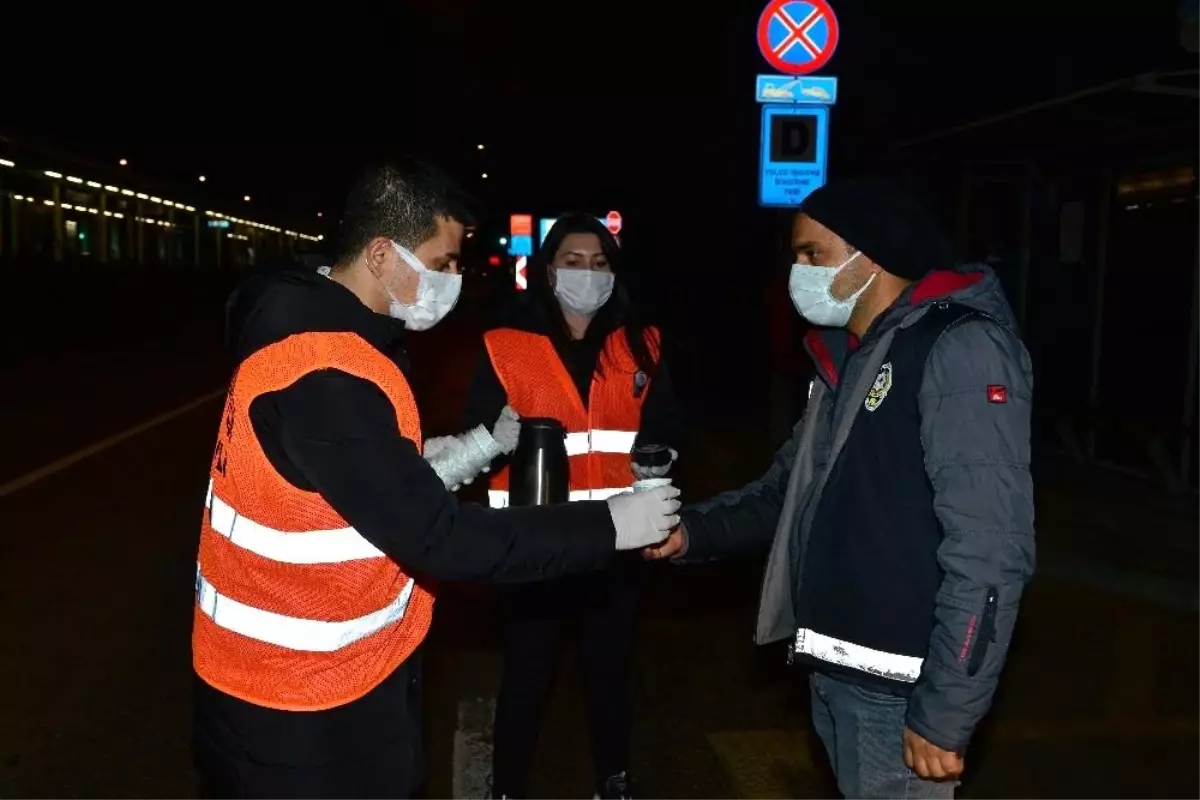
<point x="892" y="666"/>
<point x="296" y="633"/>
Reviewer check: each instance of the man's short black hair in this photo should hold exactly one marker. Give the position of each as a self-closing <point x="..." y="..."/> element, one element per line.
<point x="402" y="201"/>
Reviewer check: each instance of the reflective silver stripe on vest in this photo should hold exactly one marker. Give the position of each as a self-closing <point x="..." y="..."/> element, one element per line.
<point x="855" y="656"/>
<point x="599" y="494"/>
<point x="498" y="498"/>
<point x="577" y="443"/>
<point x="291" y="547"/>
<point x="613" y="441"/>
<point x="600" y="441"/>
<point x="288" y="547"/>
<point x="295" y="633"/>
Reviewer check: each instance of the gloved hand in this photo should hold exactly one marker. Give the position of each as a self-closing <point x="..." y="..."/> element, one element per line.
<point x="458" y="459"/>
<point x="441" y="452"/>
<point x="644" y="518"/>
<point x="507" y="430"/>
<point x="643" y="473"/>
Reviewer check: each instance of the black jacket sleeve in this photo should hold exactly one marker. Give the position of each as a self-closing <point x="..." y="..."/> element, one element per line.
<point x="662" y="420"/>
<point x="486" y="398"/>
<point x="340" y="433"/>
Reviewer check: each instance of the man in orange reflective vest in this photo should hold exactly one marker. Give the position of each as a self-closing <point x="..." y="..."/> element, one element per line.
<point x="325" y="524"/>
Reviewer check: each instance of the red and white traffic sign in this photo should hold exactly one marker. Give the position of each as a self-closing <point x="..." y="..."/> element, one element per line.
<point x="521" y="279"/>
<point x="612" y="221"/>
<point x="797" y="37"/>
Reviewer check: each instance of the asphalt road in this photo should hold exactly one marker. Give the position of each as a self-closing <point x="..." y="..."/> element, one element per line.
<point x="97" y="563"/>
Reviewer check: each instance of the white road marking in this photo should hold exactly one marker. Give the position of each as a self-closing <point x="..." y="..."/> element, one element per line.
<point x="473" y="749"/>
<point x="30" y="478"/>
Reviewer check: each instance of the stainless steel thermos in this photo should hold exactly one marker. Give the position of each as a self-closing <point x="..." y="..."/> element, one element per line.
<point x="539" y="474"/>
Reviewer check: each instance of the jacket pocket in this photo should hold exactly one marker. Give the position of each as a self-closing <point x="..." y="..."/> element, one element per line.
<point x="981" y="631"/>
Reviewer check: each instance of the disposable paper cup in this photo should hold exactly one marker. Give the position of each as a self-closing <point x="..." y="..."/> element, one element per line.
<point x="650" y="483"/>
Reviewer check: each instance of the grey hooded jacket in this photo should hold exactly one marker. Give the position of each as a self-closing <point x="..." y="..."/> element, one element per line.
<point x="977" y="464"/>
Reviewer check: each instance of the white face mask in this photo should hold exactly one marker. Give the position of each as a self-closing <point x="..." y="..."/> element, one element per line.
<point x="809" y="288"/>
<point x="583" y="291"/>
<point x="437" y="293"/>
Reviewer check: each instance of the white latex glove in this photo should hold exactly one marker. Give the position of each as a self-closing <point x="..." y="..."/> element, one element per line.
<point x="507" y="430"/>
<point x="458" y="459"/>
<point x="643" y="473"/>
<point x="644" y="518"/>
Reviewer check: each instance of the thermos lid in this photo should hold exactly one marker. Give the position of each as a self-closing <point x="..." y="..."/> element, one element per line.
<point x="545" y="425"/>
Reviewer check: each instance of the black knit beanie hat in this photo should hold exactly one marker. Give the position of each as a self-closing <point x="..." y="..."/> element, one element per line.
<point x="885" y="222"/>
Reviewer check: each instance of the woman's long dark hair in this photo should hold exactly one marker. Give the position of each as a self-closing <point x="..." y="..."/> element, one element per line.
<point x="617" y="312"/>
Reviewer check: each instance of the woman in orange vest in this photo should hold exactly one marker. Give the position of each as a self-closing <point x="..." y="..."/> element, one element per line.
<point x="572" y="348"/>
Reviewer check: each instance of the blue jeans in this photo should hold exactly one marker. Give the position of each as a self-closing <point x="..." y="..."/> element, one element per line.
<point x="862" y="732"/>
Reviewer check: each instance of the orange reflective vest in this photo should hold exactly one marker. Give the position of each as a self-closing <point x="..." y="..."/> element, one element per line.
<point x="600" y="437"/>
<point x="294" y="609"/>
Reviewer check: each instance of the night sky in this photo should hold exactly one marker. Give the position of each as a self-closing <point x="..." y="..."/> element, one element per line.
<point x="645" y="107"/>
<point x="573" y="100"/>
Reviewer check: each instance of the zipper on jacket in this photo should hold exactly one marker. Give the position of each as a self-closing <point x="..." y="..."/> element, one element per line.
<point x="984" y="634"/>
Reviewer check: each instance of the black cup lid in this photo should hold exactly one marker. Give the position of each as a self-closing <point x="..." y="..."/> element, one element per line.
<point x="652" y="455"/>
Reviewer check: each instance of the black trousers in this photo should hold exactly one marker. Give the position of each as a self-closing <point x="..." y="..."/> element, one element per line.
<point x="370" y="747"/>
<point x="603" y="606"/>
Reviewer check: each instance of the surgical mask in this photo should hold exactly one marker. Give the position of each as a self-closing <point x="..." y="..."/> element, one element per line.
<point x="583" y="291"/>
<point x="437" y="293"/>
<point x="809" y="288"/>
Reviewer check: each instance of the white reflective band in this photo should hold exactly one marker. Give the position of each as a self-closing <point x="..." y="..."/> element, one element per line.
<point x="613" y="441"/>
<point x="855" y="656"/>
<point x="295" y="633"/>
<point x="300" y="547"/>
<point x="601" y="494"/>
<point x="498" y="498"/>
<point x="577" y="443"/>
<point x="600" y="441"/>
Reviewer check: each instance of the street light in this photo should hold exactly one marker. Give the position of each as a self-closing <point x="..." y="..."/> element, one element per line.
<point x="246" y="198"/>
<point x="124" y="162"/>
<point x="503" y="240"/>
<point x="478" y="147"/>
<point x="319" y="214"/>
<point x="203" y="179"/>
<point x="484" y="176"/>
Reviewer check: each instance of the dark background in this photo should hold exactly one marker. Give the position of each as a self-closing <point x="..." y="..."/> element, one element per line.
<point x="643" y="107"/>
